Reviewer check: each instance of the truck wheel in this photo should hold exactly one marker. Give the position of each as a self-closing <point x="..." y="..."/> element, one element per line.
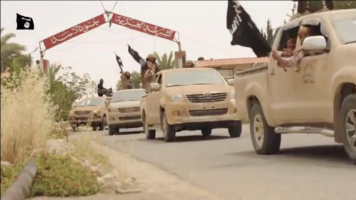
<point x="150" y="134"/>
<point x="102" y="124"/>
<point x="235" y="131"/>
<point x="206" y="132"/>
<point x="74" y="127"/>
<point x="113" y="130"/>
<point x="265" y="141"/>
<point x="169" y="131"/>
<point x="348" y="134"/>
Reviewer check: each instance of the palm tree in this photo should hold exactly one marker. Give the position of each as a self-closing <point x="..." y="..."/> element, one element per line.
<point x="344" y="4"/>
<point x="11" y="52"/>
<point x="166" y="62"/>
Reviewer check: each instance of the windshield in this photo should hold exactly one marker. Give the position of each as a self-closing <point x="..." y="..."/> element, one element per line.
<point x="193" y="77"/>
<point x="94" y="102"/>
<point x="345" y="26"/>
<point x="129" y="95"/>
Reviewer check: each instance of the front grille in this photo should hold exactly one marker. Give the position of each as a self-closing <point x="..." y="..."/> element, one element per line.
<point x="208" y="112"/>
<point x="82" y="112"/>
<point x="130" y="117"/>
<point x="206" y="98"/>
<point x="82" y="119"/>
<point x="129" y="109"/>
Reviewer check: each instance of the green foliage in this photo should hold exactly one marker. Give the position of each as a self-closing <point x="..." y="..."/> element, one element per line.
<point x="344" y="4"/>
<point x="12" y="57"/>
<point x="166" y="62"/>
<point x="56" y="176"/>
<point x="269" y="34"/>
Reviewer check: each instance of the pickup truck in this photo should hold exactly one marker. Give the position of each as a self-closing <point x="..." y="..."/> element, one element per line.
<point x="317" y="95"/>
<point x="123" y="110"/>
<point x="189" y="99"/>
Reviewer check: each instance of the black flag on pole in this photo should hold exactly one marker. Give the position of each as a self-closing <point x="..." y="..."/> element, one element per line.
<point x="24" y="23"/>
<point x="136" y="56"/>
<point x="244" y="31"/>
<point x="119" y="62"/>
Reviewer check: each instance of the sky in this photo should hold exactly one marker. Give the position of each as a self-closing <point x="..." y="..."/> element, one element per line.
<point x="201" y="24"/>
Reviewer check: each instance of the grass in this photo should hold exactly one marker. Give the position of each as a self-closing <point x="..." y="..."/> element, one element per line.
<point x="26" y="117"/>
<point x="27" y="122"/>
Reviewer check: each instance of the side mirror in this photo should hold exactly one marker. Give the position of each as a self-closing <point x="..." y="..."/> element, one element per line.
<point x="230" y="82"/>
<point x="154" y="87"/>
<point x="107" y="102"/>
<point x="314" y="43"/>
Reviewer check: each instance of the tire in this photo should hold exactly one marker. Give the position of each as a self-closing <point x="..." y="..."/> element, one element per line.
<point x="206" y="132"/>
<point x="235" y="131"/>
<point x="150" y="134"/>
<point x="113" y="130"/>
<point x="169" y="131"/>
<point x="348" y="133"/>
<point x="268" y="142"/>
<point x="102" y="124"/>
<point x="74" y="127"/>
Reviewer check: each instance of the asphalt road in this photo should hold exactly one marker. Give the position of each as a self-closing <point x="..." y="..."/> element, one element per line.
<point x="308" y="166"/>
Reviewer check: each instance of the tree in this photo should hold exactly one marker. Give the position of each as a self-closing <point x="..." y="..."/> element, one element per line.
<point x="344" y="4"/>
<point x="166" y="62"/>
<point x="269" y="34"/>
<point x="12" y="57"/>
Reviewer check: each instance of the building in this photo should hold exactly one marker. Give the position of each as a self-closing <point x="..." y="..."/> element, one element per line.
<point x="229" y="67"/>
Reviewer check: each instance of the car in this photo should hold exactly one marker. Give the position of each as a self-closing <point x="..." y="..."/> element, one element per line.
<point x="189" y="99"/>
<point x="317" y="96"/>
<point x="90" y="110"/>
<point x="123" y="110"/>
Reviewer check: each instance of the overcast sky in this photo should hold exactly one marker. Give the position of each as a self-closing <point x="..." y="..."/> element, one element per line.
<point x="201" y="24"/>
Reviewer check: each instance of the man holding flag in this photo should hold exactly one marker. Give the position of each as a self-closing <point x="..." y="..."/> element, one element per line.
<point x="126" y="82"/>
<point x="149" y="68"/>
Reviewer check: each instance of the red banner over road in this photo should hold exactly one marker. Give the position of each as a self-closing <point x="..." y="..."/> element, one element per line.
<point x="74" y="31"/>
<point x="143" y="27"/>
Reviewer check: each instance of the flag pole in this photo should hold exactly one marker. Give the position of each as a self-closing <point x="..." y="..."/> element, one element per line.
<point x="41" y="57"/>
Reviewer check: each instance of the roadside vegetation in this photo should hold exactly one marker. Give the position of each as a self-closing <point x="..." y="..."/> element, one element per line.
<point x="33" y="104"/>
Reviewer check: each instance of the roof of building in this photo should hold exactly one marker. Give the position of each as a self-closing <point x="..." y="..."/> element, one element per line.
<point x="230" y="62"/>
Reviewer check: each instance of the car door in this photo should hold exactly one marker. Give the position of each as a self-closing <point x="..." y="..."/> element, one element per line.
<point x="153" y="107"/>
<point x="280" y="81"/>
<point x="312" y="81"/>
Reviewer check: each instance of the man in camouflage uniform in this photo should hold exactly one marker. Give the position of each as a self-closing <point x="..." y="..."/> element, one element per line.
<point x="148" y="71"/>
<point x="126" y="82"/>
<point x="308" y="7"/>
<point x="189" y="64"/>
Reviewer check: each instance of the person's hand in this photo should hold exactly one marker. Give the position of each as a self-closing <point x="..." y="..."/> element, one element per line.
<point x="278" y="58"/>
<point x="287" y="52"/>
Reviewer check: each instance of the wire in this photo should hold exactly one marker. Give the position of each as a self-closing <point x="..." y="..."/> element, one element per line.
<point x="206" y="44"/>
<point x="102" y="5"/>
<point x="114" y="6"/>
<point x="126" y="39"/>
<point x="119" y="31"/>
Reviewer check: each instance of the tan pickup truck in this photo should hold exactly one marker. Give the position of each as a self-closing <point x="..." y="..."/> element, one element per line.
<point x="92" y="110"/>
<point x="317" y="95"/>
<point x="189" y="99"/>
<point x="124" y="110"/>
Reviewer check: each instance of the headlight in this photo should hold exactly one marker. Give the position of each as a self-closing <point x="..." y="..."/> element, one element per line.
<point x="177" y="97"/>
<point x="96" y="112"/>
<point x="232" y="95"/>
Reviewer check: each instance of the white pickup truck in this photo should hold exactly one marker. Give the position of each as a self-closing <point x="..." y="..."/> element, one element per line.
<point x="317" y="95"/>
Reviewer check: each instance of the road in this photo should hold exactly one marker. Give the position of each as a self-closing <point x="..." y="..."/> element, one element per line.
<point x="308" y="166"/>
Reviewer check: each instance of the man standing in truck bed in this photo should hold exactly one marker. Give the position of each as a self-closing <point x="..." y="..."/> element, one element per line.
<point x="308" y="7"/>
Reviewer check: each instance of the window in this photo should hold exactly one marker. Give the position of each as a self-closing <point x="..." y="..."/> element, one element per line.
<point x="193" y="77"/>
<point x="95" y="102"/>
<point x="127" y="95"/>
<point x="345" y="27"/>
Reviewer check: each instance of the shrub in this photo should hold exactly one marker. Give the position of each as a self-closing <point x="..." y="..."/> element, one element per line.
<point x="26" y="116"/>
<point x="56" y="176"/>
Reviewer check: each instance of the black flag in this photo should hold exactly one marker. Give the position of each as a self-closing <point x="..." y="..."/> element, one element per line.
<point x="119" y="62"/>
<point x="24" y="23"/>
<point x="244" y="31"/>
<point x="136" y="56"/>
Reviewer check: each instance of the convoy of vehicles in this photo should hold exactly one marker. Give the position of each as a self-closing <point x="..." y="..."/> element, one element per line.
<point x="189" y="99"/>
<point x="90" y="110"/>
<point x="123" y="110"/>
<point x="317" y="96"/>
